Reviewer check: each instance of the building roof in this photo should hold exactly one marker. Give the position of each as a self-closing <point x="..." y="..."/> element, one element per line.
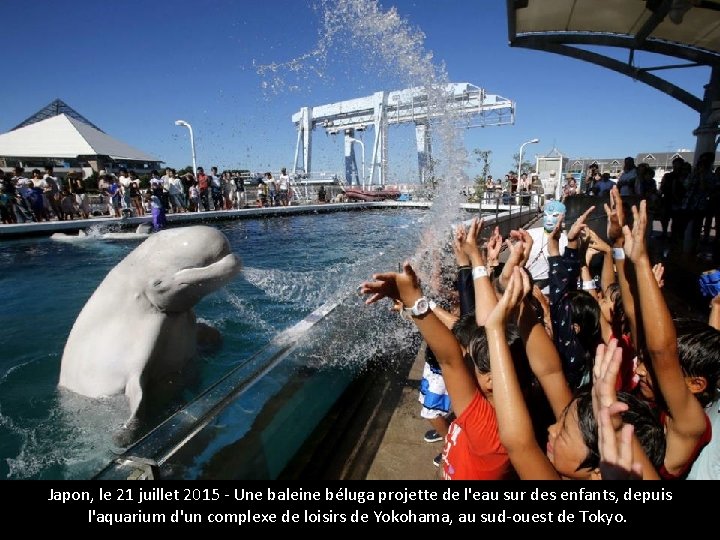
<point x="685" y="29"/>
<point x="55" y="108"/>
<point x="62" y="136"/>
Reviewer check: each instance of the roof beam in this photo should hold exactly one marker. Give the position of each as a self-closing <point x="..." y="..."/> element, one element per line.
<point x="656" y="82"/>
<point x="652" y="23"/>
<point x="541" y="40"/>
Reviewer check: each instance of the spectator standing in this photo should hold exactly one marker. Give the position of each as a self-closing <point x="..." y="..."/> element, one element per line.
<point x="627" y="179"/>
<point x="203" y="184"/>
<point x="284" y="187"/>
<point x="272" y="189"/>
<point x="216" y="189"/>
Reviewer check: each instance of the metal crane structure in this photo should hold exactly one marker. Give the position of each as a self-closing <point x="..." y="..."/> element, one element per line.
<point x="383" y="109"/>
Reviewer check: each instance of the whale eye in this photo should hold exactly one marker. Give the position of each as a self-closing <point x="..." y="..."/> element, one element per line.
<point x="157" y="283"/>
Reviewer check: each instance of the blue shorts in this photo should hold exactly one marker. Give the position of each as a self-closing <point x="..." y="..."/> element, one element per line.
<point x="433" y="394"/>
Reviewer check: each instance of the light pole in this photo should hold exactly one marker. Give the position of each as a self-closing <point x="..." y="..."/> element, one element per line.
<point x="362" y="147"/>
<point x="192" y="143"/>
<point x="522" y="146"/>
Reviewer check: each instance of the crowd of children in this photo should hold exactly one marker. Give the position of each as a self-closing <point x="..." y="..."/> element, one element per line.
<point x="592" y="380"/>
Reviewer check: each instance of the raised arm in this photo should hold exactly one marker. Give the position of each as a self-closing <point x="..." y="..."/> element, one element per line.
<point x="485" y="298"/>
<point x="459" y="380"/>
<point x="686" y="423"/>
<point x="494" y="245"/>
<point x="544" y="360"/>
<point x="588" y="283"/>
<point x="514" y="422"/>
<point x="625" y="273"/>
<point x="617" y="458"/>
<point x="463" y="280"/>
<point x="605" y="372"/>
<point x="598" y="245"/>
<point x="447" y="318"/>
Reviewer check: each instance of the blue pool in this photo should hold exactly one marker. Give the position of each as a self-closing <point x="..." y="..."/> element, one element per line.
<point x="292" y="265"/>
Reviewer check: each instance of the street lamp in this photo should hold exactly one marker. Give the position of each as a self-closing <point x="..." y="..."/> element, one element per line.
<point x="522" y="146"/>
<point x="192" y="143"/>
<point x="362" y="147"/>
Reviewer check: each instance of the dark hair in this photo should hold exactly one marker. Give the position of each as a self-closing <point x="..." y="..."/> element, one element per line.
<point x="480" y="353"/>
<point x="585" y="312"/>
<point x="698" y="345"/>
<point x="648" y="429"/>
<point x="466" y="328"/>
<point x="618" y="309"/>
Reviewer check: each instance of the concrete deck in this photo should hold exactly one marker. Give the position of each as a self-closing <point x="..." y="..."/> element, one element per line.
<point x="47" y="228"/>
<point x="403" y="454"/>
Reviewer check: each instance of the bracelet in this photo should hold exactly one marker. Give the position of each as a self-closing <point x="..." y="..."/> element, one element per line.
<point x="479" y="272"/>
<point x="618" y="254"/>
<point x="589" y="285"/>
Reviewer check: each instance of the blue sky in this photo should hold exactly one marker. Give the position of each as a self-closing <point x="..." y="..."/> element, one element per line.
<point x="134" y="67"/>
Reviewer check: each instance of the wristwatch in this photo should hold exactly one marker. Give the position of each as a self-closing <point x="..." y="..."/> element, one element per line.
<point x="421" y="307"/>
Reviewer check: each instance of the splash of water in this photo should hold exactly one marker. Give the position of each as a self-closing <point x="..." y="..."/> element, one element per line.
<point x="389" y="45"/>
<point x="83" y="424"/>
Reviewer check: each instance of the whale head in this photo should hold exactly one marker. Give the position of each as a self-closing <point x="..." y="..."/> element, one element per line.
<point x="183" y="265"/>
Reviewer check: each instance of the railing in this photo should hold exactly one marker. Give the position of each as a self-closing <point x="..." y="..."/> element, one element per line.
<point x="518" y="205"/>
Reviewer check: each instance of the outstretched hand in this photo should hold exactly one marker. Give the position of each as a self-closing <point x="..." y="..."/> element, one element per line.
<point x="616" y="449"/>
<point x="403" y="286"/>
<point x="494" y="245"/>
<point x="470" y="245"/>
<point x="517" y="289"/>
<point x="517" y="252"/>
<point x="615" y="216"/>
<point x="553" y="245"/>
<point x="635" y="246"/>
<point x="597" y="243"/>
<point x="605" y="373"/>
<point x="579" y="225"/>
<point x="659" y="273"/>
<point x="458" y="240"/>
<point x="523" y="236"/>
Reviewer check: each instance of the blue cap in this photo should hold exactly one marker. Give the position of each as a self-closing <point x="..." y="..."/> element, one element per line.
<point x="554" y="207"/>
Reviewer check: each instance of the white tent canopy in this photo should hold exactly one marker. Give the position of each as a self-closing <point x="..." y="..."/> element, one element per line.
<point x="64" y="137"/>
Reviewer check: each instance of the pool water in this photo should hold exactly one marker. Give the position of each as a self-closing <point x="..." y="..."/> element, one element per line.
<point x="291" y="265"/>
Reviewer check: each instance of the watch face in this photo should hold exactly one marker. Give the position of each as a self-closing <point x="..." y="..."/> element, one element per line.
<point x="421" y="307"/>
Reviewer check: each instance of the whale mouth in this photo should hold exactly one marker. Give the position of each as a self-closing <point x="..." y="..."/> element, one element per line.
<point x="183" y="289"/>
<point x="221" y="270"/>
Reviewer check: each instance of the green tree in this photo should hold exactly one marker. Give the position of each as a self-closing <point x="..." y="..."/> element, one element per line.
<point x="526" y="166"/>
<point x="482" y="156"/>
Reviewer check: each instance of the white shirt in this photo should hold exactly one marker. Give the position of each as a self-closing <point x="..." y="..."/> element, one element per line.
<point x="537" y="264"/>
<point x="175" y="186"/>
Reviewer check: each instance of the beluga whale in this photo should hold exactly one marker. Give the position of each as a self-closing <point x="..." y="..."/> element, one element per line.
<point x="138" y="330"/>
